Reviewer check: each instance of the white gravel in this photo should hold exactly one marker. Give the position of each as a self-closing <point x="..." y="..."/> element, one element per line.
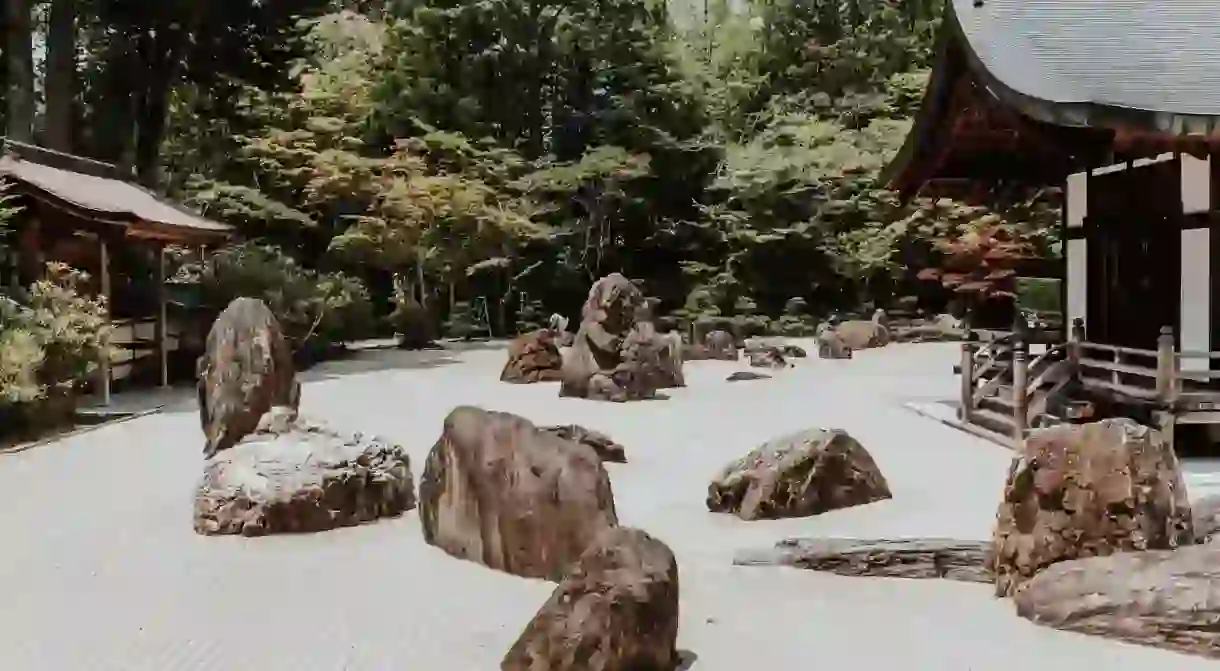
<point x="99" y="567"/>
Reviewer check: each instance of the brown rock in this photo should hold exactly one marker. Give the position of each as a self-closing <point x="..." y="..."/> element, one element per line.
<point x="791" y="351"/>
<point x="1088" y="490"/>
<point x="293" y="475"/>
<point x="906" y="558"/>
<point x="798" y="475"/>
<point x="858" y="334"/>
<point x="1160" y="598"/>
<point x="721" y="345"/>
<point x="651" y="360"/>
<point x="595" y="367"/>
<point x="1205" y="514"/>
<point x="501" y="492"/>
<point x="603" y="445"/>
<point x="830" y="345"/>
<point x="616" y="610"/>
<point x="533" y="357"/>
<point x="246" y="370"/>
<point x="767" y="357"/>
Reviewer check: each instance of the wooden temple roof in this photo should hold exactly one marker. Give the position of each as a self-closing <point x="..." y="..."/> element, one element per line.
<point x="93" y="191"/>
<point x="1032" y="90"/>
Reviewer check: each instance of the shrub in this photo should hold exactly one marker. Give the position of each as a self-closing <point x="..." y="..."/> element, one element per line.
<point x="317" y="310"/>
<point x="49" y="345"/>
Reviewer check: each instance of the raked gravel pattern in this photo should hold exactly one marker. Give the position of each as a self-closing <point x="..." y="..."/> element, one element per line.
<point x="99" y="567"/>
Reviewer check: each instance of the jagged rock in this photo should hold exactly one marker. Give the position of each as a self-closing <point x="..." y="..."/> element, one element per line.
<point x="616" y="610"/>
<point x="858" y="334"/>
<point x="745" y="375"/>
<point x="805" y="473"/>
<point x="1088" y="490"/>
<point x="1205" y="514"/>
<point x="655" y="356"/>
<point x="603" y="445"/>
<point x="246" y="370"/>
<point x="767" y="357"/>
<point x="501" y="492"/>
<point x="293" y="475"/>
<point x="793" y="351"/>
<point x="830" y="345"/>
<point x="596" y="367"/>
<point x="950" y="559"/>
<point x="1163" y="598"/>
<point x="533" y="357"/>
<point x="720" y="345"/>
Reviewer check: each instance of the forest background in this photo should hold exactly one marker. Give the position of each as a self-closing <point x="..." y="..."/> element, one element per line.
<point x="457" y="164"/>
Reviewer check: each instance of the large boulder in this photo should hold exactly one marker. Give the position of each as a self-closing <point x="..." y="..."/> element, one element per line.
<point x="830" y="345"/>
<point x="858" y="334"/>
<point x="603" y="445"/>
<point x="293" y="475"/>
<point x="805" y="473"/>
<point x="1088" y="490"/>
<point x="499" y="491"/>
<point x="651" y="360"/>
<point x="616" y="610"/>
<point x="596" y="367"/>
<point x="720" y="345"/>
<point x="246" y="370"/>
<point x="1163" y="598"/>
<point x="533" y="357"/>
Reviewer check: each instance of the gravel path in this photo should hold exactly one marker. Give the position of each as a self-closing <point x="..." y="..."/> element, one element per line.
<point x="100" y="568"/>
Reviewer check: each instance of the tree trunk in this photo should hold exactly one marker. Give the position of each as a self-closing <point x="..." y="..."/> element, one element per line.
<point x="61" y="75"/>
<point x="20" y="56"/>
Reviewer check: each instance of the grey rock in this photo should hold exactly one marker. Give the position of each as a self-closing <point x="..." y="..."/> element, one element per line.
<point x="962" y="560"/>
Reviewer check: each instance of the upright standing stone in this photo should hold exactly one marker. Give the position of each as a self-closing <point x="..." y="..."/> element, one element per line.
<point x="246" y="370"/>
<point x="606" y="362"/>
<point x="616" y="610"/>
<point x="499" y="491"/>
<point x="1088" y="490"/>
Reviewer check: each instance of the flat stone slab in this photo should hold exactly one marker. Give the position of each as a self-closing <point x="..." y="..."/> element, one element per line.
<point x="951" y="559"/>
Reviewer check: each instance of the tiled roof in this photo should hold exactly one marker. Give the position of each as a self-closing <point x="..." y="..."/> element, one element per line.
<point x="1160" y="56"/>
<point x="107" y="197"/>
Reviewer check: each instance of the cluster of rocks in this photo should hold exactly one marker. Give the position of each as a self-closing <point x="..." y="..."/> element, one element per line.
<point x="537" y="502"/>
<point x="267" y="469"/>
<point x="1094" y="534"/>
<point x="496" y="489"/>
<point x="617" y="354"/>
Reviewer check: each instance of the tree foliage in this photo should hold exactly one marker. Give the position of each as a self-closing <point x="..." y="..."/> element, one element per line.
<point x="447" y="154"/>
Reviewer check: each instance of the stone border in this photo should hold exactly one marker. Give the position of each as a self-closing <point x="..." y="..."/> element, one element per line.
<point x="950" y="419"/>
<point x="77" y="431"/>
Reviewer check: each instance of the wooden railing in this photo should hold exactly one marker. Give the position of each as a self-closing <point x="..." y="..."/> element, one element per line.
<point x="1004" y="372"/>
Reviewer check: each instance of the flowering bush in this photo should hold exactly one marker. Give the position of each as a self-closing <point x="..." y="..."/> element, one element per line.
<point x="51" y="342"/>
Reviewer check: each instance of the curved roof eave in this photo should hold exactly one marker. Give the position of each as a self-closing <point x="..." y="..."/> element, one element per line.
<point x="1195" y="112"/>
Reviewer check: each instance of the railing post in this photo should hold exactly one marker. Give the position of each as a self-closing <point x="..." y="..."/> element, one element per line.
<point x="1075" y="338"/>
<point x="1166" y="367"/>
<point x="967" y="380"/>
<point x="1020" y="397"/>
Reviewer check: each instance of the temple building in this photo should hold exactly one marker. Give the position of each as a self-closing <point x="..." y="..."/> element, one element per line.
<point x="1117" y="104"/>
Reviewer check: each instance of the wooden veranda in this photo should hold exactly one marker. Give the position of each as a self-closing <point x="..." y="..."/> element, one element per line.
<point x="88" y="214"/>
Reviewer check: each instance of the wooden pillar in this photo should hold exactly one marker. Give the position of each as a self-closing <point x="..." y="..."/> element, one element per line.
<point x="162" y="331"/>
<point x="966" y="406"/>
<point x="104" y="270"/>
<point x="1020" y="396"/>
<point x="1166" y="367"/>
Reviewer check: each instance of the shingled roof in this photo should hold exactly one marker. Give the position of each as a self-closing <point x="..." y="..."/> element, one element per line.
<point x="94" y="191"/>
<point x="1057" y="85"/>
<point x="1098" y="62"/>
